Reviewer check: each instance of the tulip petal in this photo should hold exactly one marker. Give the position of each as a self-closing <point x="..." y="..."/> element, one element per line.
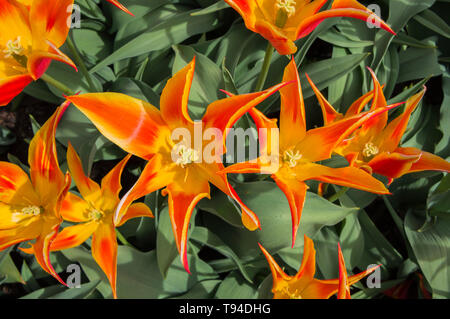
<point x="89" y="189"/>
<point x="48" y="180"/>
<point x="74" y="209"/>
<point x="345" y="8"/>
<point x="39" y="61"/>
<point x="111" y="186"/>
<point x="12" y="86"/>
<point x="359" y="104"/>
<point x="393" y="165"/>
<point x="215" y="174"/>
<point x="344" y="287"/>
<point x="268" y="135"/>
<point x="153" y="177"/>
<point x="427" y="161"/>
<point x="394" y="131"/>
<point x="73" y="236"/>
<point x="330" y="136"/>
<point x="15" y="186"/>
<point x="277" y="273"/>
<point x="14" y="23"/>
<point x="11" y="237"/>
<point x="136" y="210"/>
<point x="328" y="111"/>
<point x="104" y="251"/>
<point x="134" y="125"/>
<point x="120" y="6"/>
<point x="183" y="196"/>
<point x="41" y="248"/>
<point x="222" y="114"/>
<point x="292" y="114"/>
<point x="175" y="97"/>
<point x="308" y="267"/>
<point x="295" y="192"/>
<point x="49" y="20"/>
<point x="344" y="176"/>
<point x="376" y="124"/>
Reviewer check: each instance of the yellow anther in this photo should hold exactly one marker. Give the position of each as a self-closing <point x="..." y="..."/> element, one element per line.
<point x="31" y="210"/>
<point x="185" y="155"/>
<point x="13" y="48"/>
<point x="288" y="6"/>
<point x="292" y="158"/>
<point x="370" y="150"/>
<point x="95" y="214"/>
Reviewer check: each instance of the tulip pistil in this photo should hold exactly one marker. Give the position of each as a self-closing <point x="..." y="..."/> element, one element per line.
<point x="370" y="150"/>
<point x="95" y="214"/>
<point x="13" y="48"/>
<point x="31" y="210"/>
<point x="292" y="158"/>
<point x="286" y="9"/>
<point x="185" y="155"/>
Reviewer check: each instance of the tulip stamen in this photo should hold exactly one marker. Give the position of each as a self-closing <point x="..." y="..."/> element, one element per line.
<point x="31" y="210"/>
<point x="288" y="6"/>
<point x="370" y="150"/>
<point x="13" y="48"/>
<point x="95" y="214"/>
<point x="292" y="158"/>
<point x="185" y="155"/>
<point x="292" y="295"/>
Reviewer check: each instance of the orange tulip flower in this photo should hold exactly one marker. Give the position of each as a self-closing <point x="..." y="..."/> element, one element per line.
<point x="29" y="40"/>
<point x="300" y="149"/>
<point x="143" y="130"/>
<point x="375" y="146"/>
<point x="282" y="22"/>
<point x="31" y="209"/>
<point x="303" y="285"/>
<point x="95" y="213"/>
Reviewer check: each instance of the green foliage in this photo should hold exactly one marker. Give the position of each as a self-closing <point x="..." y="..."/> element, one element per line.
<point x="136" y="56"/>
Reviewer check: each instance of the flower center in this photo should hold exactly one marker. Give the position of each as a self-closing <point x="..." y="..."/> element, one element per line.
<point x="287" y="6"/>
<point x="292" y="295"/>
<point x="291" y="158"/>
<point x="95" y="214"/>
<point x="286" y="9"/>
<point x="370" y="150"/>
<point x="13" y="48"/>
<point x="185" y="155"/>
<point x="31" y="210"/>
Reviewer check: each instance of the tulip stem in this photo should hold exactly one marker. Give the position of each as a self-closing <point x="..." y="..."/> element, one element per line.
<point x="55" y="83"/>
<point x="80" y="63"/>
<point x="265" y="68"/>
<point x="122" y="239"/>
<point x="338" y="194"/>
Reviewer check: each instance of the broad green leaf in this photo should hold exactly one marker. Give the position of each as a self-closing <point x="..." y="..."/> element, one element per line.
<point x="202" y="290"/>
<point x="170" y="32"/>
<point x="138" y="275"/>
<point x="204" y="236"/>
<point x="235" y="287"/>
<point x="432" y="250"/>
<point x="166" y="248"/>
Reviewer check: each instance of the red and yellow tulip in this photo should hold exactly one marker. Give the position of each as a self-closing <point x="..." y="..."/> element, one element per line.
<point x="30" y="209"/>
<point x="143" y="130"/>
<point x="299" y="149"/>
<point x="303" y="285"/>
<point x="375" y="146"/>
<point x="30" y="37"/>
<point x="282" y="22"/>
<point x="95" y="215"/>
